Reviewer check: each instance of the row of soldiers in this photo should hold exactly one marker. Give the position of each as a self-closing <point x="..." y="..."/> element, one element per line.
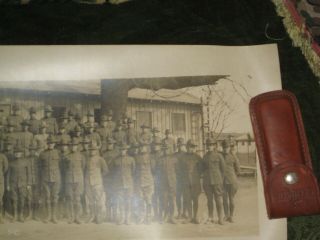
<point x="118" y="178"/>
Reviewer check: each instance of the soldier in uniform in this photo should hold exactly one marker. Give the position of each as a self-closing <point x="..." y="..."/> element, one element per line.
<point x="64" y="119"/>
<point x="86" y="153"/>
<point x="156" y="135"/>
<point x="190" y="181"/>
<point x="41" y="138"/>
<point x="232" y="170"/>
<point x="156" y="156"/>
<point x="95" y="169"/>
<point x="180" y="156"/>
<point x="51" y="122"/>
<point x="3" y="171"/>
<point x="124" y="121"/>
<point x="34" y="190"/>
<point x="169" y="140"/>
<point x="74" y="166"/>
<point x="145" y="136"/>
<point x="92" y="135"/>
<point x="131" y="133"/>
<point x="119" y="134"/>
<point x="213" y="171"/>
<point x="104" y="132"/>
<point x="50" y="178"/>
<point x="78" y="119"/>
<point x="123" y="168"/>
<point x="63" y="135"/>
<point x="18" y="182"/>
<point x="167" y="169"/>
<point x="25" y="137"/>
<point x="71" y="124"/>
<point x="77" y="135"/>
<point x="11" y="134"/>
<point x="15" y="118"/>
<point x="90" y="119"/>
<point x="34" y="122"/>
<point x="144" y="165"/>
<point x="110" y="123"/>
<point x="109" y="156"/>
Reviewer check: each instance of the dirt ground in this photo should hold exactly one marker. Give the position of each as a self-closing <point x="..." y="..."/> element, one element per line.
<point x="246" y="224"/>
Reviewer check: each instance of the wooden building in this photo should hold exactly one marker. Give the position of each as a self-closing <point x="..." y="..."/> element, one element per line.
<point x="176" y="110"/>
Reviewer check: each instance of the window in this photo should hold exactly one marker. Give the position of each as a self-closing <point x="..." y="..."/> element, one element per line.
<point x="178" y="123"/>
<point x="144" y="118"/>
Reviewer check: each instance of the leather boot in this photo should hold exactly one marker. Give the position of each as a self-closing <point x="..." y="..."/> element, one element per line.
<point x="49" y="216"/>
<point x="77" y="213"/>
<point x="54" y="212"/>
<point x="15" y="212"/>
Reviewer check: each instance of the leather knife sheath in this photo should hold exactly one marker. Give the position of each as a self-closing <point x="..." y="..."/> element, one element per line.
<point x="290" y="187"/>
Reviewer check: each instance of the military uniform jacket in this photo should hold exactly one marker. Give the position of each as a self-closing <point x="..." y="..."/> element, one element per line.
<point x="34" y="126"/>
<point x="213" y="168"/>
<point x="156" y="170"/>
<point x="232" y="168"/>
<point x="180" y="156"/>
<point x="25" y="139"/>
<point x="191" y="172"/>
<point x="168" y="166"/>
<point x="145" y="138"/>
<point x="119" y="136"/>
<point x="65" y="137"/>
<point x="95" y="137"/>
<point x="143" y="170"/>
<point x="3" y="167"/>
<point x="171" y="143"/>
<point x="49" y="161"/>
<point x="74" y="164"/>
<point x="13" y="137"/>
<point x="104" y="133"/>
<point x="41" y="140"/>
<point x="71" y="125"/>
<point x="52" y="126"/>
<point x="131" y="136"/>
<point x="95" y="168"/>
<point x="109" y="157"/>
<point x="16" y="120"/>
<point x="123" y="168"/>
<point x="19" y="173"/>
<point x="34" y="169"/>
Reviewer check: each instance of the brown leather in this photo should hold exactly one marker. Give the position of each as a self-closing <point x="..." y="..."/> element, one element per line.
<point x="282" y="148"/>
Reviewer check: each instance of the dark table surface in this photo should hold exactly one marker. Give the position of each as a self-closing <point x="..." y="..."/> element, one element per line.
<point x="218" y="22"/>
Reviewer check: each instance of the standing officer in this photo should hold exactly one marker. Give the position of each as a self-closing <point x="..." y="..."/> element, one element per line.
<point x="51" y="122"/>
<point x="168" y="184"/>
<point x="180" y="156"/>
<point x="34" y="122"/>
<point x="95" y="169"/>
<point x="145" y="135"/>
<point x="11" y="134"/>
<point x="34" y="190"/>
<point x="104" y="132"/>
<point x="50" y="178"/>
<point x="123" y="168"/>
<point x="25" y="137"/>
<point x="145" y="183"/>
<point x="3" y="171"/>
<point x="213" y="171"/>
<point x="77" y="135"/>
<point x="110" y="123"/>
<point x="156" y="156"/>
<point x="74" y="166"/>
<point x="63" y="135"/>
<point x="119" y="135"/>
<point x="169" y="141"/>
<point x="156" y="135"/>
<point x="131" y="133"/>
<point x="92" y="135"/>
<point x="18" y="182"/>
<point x="15" y="118"/>
<point x="232" y="170"/>
<point x="71" y="124"/>
<point x="191" y="185"/>
<point x="109" y="156"/>
<point x="41" y="138"/>
<point x="91" y="120"/>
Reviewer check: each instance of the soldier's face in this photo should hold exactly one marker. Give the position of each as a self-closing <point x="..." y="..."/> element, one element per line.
<point x="33" y="115"/>
<point x="130" y="125"/>
<point x="156" y="134"/>
<point x="90" y="130"/>
<point x="93" y="152"/>
<point x="62" y="130"/>
<point x="74" y="148"/>
<point x="143" y="149"/>
<point x="91" y="119"/>
<point x="123" y="152"/>
<point x="25" y="128"/>
<point x="78" y="134"/>
<point x="48" y="114"/>
<point x="211" y="147"/>
<point x="104" y="123"/>
<point x="86" y="146"/>
<point x="43" y="130"/>
<point x="182" y="148"/>
<point x="191" y="149"/>
<point x="18" y="154"/>
<point x="110" y="146"/>
<point x="51" y="145"/>
<point x="156" y="148"/>
<point x="10" y="129"/>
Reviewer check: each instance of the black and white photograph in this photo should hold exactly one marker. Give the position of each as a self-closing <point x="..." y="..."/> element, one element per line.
<point x="163" y="157"/>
